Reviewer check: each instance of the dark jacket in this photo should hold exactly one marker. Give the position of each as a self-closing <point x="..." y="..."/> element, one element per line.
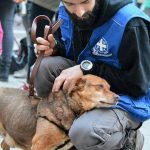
<point x="134" y="54"/>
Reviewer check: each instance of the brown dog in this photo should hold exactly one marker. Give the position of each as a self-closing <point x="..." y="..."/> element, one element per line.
<point x="43" y="124"/>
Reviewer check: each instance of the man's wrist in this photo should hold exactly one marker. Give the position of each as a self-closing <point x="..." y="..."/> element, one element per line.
<point x="86" y="66"/>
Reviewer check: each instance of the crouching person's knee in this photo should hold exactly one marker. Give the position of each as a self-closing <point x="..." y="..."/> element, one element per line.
<point x="44" y="78"/>
<point x="88" y="137"/>
<point x="48" y="70"/>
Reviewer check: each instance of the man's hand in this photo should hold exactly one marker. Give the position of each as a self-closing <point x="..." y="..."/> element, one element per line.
<point x="45" y="45"/>
<point x="67" y="79"/>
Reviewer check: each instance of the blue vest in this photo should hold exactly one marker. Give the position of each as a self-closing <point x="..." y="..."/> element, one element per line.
<point x="103" y="46"/>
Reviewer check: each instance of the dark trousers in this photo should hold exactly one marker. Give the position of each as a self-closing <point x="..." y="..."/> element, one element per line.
<point x="7" y="9"/>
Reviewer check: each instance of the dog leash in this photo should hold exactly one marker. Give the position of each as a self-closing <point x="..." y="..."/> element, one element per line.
<point x="49" y="29"/>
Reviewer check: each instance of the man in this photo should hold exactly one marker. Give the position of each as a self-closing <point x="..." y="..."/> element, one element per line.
<point x="110" y="39"/>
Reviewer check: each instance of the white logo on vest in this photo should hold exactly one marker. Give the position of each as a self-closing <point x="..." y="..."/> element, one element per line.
<point x="101" y="48"/>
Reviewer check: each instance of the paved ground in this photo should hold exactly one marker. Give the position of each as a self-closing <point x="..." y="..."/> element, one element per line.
<point x="17" y="83"/>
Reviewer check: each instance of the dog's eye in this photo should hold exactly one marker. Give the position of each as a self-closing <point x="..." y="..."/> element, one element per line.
<point x="101" y="86"/>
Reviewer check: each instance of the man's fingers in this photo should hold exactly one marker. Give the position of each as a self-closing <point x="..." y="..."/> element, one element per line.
<point x="36" y="52"/>
<point x="70" y="85"/>
<point x="57" y="84"/>
<point x="50" y="43"/>
<point x="48" y="52"/>
<point x="51" y="40"/>
<point x="47" y="49"/>
<point x="42" y="41"/>
<point x="44" y="45"/>
<point x="41" y="47"/>
<point x="66" y="85"/>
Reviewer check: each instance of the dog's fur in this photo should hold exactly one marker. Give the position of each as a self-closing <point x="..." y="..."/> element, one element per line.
<point x="42" y="124"/>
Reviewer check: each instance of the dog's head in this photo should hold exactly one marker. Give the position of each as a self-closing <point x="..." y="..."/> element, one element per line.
<point x="92" y="91"/>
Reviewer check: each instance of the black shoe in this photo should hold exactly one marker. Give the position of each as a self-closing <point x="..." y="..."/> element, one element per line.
<point x="3" y="79"/>
<point x="4" y="75"/>
<point x="135" y="140"/>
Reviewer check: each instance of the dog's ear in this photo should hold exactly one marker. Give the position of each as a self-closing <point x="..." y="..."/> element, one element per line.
<point x="80" y="83"/>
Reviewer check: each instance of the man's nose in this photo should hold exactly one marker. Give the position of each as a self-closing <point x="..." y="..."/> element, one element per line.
<point x="80" y="11"/>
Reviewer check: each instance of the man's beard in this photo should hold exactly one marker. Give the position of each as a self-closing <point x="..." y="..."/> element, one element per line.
<point x="87" y="20"/>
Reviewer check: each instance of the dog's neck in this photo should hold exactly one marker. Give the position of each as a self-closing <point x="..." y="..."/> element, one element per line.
<point x="71" y="101"/>
<point x="74" y="102"/>
<point x="63" y="106"/>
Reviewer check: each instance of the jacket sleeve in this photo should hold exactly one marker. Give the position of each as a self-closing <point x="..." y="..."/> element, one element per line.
<point x="133" y="78"/>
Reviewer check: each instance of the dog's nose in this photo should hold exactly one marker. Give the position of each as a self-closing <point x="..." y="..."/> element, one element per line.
<point x="116" y="98"/>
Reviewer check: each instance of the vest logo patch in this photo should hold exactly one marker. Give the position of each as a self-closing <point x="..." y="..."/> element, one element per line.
<point x="101" y="48"/>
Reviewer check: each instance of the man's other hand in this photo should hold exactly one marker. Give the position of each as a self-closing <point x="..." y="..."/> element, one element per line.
<point x="67" y="79"/>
